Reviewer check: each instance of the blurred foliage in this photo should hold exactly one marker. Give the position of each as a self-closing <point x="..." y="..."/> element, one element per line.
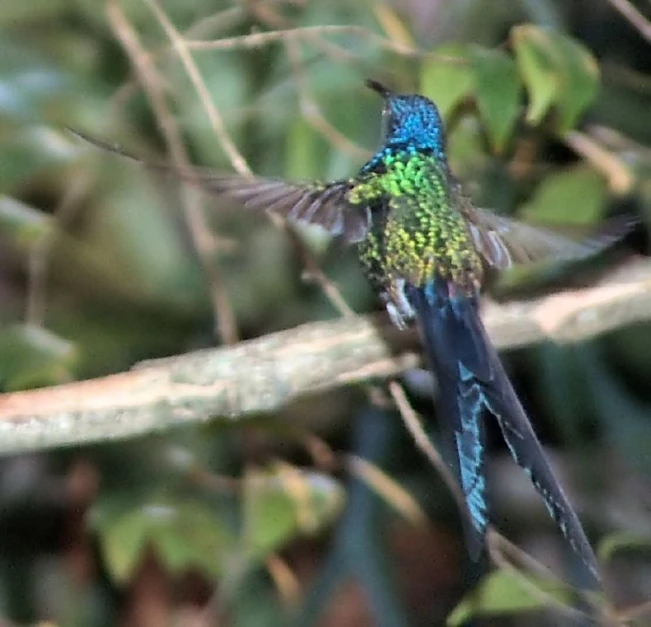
<point x="99" y="270"/>
<point x="277" y="505"/>
<point x="504" y="592"/>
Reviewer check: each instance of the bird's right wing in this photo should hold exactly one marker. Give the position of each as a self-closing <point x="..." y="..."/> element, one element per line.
<point x="504" y="242"/>
<point x="324" y="204"/>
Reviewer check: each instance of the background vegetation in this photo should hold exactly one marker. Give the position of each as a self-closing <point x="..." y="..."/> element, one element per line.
<point x="322" y="513"/>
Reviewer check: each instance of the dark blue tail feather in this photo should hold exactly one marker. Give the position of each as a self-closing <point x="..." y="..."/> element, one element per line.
<point x="473" y="384"/>
<point x="460" y="365"/>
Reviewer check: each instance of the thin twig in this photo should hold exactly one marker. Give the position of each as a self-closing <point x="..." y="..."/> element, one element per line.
<point x="390" y="490"/>
<point x="311" y="111"/>
<point x="284" y="579"/>
<point x="313" y="273"/>
<point x="256" y="40"/>
<point x="620" y="177"/>
<point x="414" y="426"/>
<point x="229" y="147"/>
<point x="618" y="142"/>
<point x="152" y="83"/>
<point x="630" y="12"/>
<point x="499" y="547"/>
<point x="237" y="160"/>
<point x="222" y="20"/>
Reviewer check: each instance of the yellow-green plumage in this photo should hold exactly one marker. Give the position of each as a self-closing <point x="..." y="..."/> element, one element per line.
<point x="418" y="234"/>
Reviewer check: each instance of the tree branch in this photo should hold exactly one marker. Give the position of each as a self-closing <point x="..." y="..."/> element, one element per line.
<point x="266" y="374"/>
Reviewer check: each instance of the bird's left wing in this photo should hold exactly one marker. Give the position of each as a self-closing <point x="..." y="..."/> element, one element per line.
<point x="324" y="204"/>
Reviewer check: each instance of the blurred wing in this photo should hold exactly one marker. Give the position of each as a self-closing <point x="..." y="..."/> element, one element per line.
<point x="322" y="204"/>
<point x="504" y="242"/>
<point x="325" y="205"/>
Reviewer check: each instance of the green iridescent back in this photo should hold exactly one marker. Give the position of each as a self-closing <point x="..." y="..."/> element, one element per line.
<point x="416" y="232"/>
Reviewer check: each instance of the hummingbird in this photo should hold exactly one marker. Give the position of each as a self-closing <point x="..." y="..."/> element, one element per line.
<point x="426" y="250"/>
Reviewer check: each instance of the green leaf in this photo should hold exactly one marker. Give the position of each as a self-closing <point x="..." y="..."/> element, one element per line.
<point x="31" y="356"/>
<point x="580" y="79"/>
<point x="184" y="535"/>
<point x="498" y="90"/>
<point x="188" y="536"/>
<point x="504" y="592"/>
<point x="623" y="541"/>
<point x="537" y="69"/>
<point x="24" y="225"/>
<point x="577" y="196"/>
<point x="123" y="541"/>
<point x="447" y="77"/>
<point x="556" y="70"/>
<point x="284" y="502"/>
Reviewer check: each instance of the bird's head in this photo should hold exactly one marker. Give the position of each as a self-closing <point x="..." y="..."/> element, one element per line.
<point x="410" y="121"/>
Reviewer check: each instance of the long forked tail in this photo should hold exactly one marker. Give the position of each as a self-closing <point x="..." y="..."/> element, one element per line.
<point x="473" y="384"/>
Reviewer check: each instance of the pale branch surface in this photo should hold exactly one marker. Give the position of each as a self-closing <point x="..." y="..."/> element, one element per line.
<point x="263" y="375"/>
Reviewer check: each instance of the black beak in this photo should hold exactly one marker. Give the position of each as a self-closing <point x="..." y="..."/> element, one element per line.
<point x="378" y="88"/>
